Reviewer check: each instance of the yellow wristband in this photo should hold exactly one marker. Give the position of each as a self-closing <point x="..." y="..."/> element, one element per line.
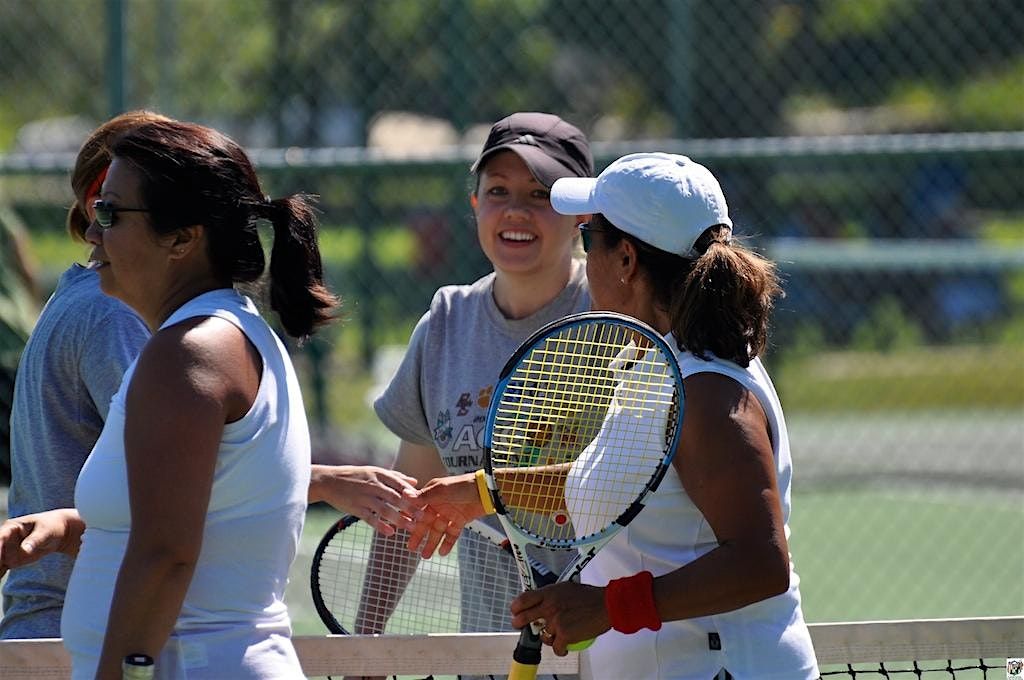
<point x="485" y="493"/>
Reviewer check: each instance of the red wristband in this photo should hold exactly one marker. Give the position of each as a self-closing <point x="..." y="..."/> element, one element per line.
<point x="630" y="603"/>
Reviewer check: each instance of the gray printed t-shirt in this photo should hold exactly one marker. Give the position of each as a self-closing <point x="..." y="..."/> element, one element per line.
<point x="72" y="365"/>
<point x="440" y="395"/>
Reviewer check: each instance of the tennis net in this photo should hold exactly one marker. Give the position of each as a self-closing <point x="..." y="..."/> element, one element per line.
<point x="945" y="648"/>
<point x="948" y="648"/>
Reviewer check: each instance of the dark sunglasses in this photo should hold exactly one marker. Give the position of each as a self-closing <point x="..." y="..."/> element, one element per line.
<point x="586" y="234"/>
<point x="107" y="213"/>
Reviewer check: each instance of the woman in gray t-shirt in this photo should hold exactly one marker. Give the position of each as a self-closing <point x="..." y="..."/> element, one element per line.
<point x="437" y="402"/>
<point x="81" y="345"/>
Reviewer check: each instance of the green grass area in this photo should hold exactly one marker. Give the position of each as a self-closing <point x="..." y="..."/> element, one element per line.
<point x="905" y="554"/>
<point x="305" y="620"/>
<point x="917" y="378"/>
<point x="392" y="247"/>
<point x="53" y="250"/>
<point x="1007" y="230"/>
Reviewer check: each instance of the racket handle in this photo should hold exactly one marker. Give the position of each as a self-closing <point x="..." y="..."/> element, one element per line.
<point x="526" y="657"/>
<point x="580" y="646"/>
<point x="522" y="671"/>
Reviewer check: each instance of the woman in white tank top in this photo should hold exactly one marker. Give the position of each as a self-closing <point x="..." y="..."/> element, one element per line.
<point x="701" y="581"/>
<point x="193" y="499"/>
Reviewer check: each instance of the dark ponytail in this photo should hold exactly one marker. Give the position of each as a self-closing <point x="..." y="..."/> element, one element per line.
<point x="192" y="174"/>
<point x="726" y="300"/>
<point x="720" y="301"/>
<point x="297" y="290"/>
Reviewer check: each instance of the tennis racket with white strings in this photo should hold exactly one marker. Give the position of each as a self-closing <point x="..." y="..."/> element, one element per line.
<point x="584" y="422"/>
<point x="363" y="582"/>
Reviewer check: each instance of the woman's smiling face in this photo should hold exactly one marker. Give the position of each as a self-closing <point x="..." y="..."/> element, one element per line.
<point x="518" y="230"/>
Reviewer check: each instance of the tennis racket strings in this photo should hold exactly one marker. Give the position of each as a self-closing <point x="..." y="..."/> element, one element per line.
<point x="364" y="583"/>
<point x="582" y="429"/>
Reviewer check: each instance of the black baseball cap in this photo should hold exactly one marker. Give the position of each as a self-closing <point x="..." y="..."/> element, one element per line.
<point x="550" y="147"/>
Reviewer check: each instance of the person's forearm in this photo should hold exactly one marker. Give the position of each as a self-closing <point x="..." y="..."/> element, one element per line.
<point x="151" y="587"/>
<point x="74" y="527"/>
<point x="538" y="489"/>
<point x="316" y="484"/>
<point x="729" y="577"/>
<point x="28" y="538"/>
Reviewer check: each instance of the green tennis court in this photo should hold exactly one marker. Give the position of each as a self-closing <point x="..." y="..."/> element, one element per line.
<point x="911" y="554"/>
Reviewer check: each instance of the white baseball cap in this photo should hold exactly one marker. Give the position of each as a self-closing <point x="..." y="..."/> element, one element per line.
<point x="663" y="199"/>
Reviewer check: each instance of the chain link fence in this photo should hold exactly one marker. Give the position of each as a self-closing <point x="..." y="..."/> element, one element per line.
<point x="875" y="148"/>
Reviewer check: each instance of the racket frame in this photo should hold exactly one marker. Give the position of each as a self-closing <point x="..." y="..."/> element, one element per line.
<point x="322" y="609"/>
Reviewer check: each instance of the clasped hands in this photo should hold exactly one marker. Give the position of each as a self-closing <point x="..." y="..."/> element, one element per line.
<point x="388" y="500"/>
<point x="432" y="516"/>
<point x="570" y="612"/>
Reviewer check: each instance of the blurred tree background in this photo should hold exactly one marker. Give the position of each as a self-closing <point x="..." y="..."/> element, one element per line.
<point x="874" y="148"/>
<point x="291" y="72"/>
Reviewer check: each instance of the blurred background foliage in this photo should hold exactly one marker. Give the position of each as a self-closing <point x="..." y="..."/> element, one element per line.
<point x="874" y="148"/>
<point x="314" y="73"/>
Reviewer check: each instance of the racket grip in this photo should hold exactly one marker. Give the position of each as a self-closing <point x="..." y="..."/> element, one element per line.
<point x="580" y="646"/>
<point x="522" y="671"/>
<point x="526" y="657"/>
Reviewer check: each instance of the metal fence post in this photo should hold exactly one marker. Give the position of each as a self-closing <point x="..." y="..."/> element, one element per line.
<point x="166" y="91"/>
<point x="115" y="57"/>
<point x="680" y="64"/>
<point x="364" y="209"/>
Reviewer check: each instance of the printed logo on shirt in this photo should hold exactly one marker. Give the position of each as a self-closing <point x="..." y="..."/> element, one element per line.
<point x="464" y="463"/>
<point x="443" y="428"/>
<point x="483" y="397"/>
<point x="463" y="403"/>
<point x="468" y="437"/>
<point x="464" y="445"/>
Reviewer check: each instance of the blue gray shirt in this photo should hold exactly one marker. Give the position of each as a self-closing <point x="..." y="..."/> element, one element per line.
<point x="71" y="367"/>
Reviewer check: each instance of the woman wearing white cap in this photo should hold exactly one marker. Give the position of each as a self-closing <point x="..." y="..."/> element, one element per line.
<point x="700" y="584"/>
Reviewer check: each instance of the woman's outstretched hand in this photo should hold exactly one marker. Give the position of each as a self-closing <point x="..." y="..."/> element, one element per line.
<point x="374" y="494"/>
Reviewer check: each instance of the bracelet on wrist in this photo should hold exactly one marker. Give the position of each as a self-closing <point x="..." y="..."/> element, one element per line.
<point x="485" y="493"/>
